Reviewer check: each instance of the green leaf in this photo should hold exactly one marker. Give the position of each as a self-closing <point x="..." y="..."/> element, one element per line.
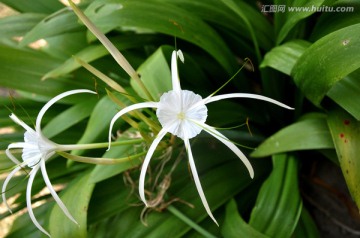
<point x="18" y="25"/>
<point x="344" y="92"/>
<point x="278" y="206"/>
<point x="22" y="69"/>
<point x="345" y="131"/>
<point x="291" y="18"/>
<point x="234" y="226"/>
<point x="163" y="18"/>
<point x="284" y="57"/>
<point x="76" y="114"/>
<point x="93" y="52"/>
<point x="319" y="68"/>
<point x="155" y="74"/>
<point x="308" y="134"/>
<point x="62" y="21"/>
<point x="241" y="12"/>
<point x="34" y="6"/>
<point x="219" y="15"/>
<point x="332" y="21"/>
<point x="59" y="224"/>
<point x="99" y="121"/>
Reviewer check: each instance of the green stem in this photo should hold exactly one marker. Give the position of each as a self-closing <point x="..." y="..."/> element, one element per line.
<point x="102" y="161"/>
<point x="190" y="222"/>
<point x="97" y="145"/>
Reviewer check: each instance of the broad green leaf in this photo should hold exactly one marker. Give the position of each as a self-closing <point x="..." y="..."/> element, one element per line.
<point x="220" y="15"/>
<point x="284" y="57"/>
<point x="22" y="70"/>
<point x="319" y="68"/>
<point x="94" y="52"/>
<point x="345" y="91"/>
<point x="332" y="21"/>
<point x="18" y="25"/>
<point x="345" y="131"/>
<point x="24" y="227"/>
<point x="163" y="18"/>
<point x="215" y="175"/>
<point x="234" y="226"/>
<point x="57" y="23"/>
<point x="34" y="6"/>
<point x="76" y="197"/>
<point x="102" y="172"/>
<point x="69" y="117"/>
<point x="155" y="74"/>
<point x="278" y="206"/>
<point x="292" y="17"/>
<point x="99" y="121"/>
<point x="307" y="134"/>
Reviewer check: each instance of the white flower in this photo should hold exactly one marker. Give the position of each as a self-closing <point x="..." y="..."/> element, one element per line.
<point x="183" y="113"/>
<point x="36" y="150"/>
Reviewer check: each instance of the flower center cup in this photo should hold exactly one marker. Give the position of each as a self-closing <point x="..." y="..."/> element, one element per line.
<point x="177" y="113"/>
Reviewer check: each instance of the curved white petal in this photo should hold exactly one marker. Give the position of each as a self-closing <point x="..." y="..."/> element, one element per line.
<point x="53" y="193"/>
<point x="126" y="110"/>
<point x="230" y="145"/>
<point x="28" y="200"/>
<point x="3" y="190"/>
<point x="21" y="123"/>
<point x="54" y="100"/>
<point x="146" y="162"/>
<point x="10" y="155"/>
<point x="174" y="72"/>
<point x="245" y="95"/>
<point x="197" y="180"/>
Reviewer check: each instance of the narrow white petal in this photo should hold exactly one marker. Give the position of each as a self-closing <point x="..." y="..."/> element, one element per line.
<point x="120" y="59"/>
<point x="28" y="200"/>
<point x="197" y="180"/>
<point x="54" y="100"/>
<point x="245" y="95"/>
<point x="180" y="55"/>
<point x="126" y="110"/>
<point x="174" y="73"/>
<point x="10" y="155"/>
<point x="3" y="190"/>
<point x="53" y="193"/>
<point x="230" y="145"/>
<point x="146" y="162"/>
<point x="20" y="122"/>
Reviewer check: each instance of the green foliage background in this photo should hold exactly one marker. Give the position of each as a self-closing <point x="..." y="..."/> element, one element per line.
<point x="308" y="60"/>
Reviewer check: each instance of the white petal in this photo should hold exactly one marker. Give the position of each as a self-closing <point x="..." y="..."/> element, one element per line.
<point x="21" y="123"/>
<point x="126" y="110"/>
<point x="230" y="145"/>
<point x="245" y="95"/>
<point x="3" y="190"/>
<point x="180" y="55"/>
<point x="53" y="192"/>
<point x="10" y="155"/>
<point x="54" y="100"/>
<point x="120" y="59"/>
<point x="146" y="162"/>
<point x="28" y="200"/>
<point x="174" y="73"/>
<point x="197" y="180"/>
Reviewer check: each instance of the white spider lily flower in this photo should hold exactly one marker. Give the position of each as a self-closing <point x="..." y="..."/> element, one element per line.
<point x="183" y="113"/>
<point x="36" y="150"/>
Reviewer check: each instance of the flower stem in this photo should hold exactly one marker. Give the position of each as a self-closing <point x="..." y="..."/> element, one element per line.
<point x="102" y="161"/>
<point x="97" y="145"/>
